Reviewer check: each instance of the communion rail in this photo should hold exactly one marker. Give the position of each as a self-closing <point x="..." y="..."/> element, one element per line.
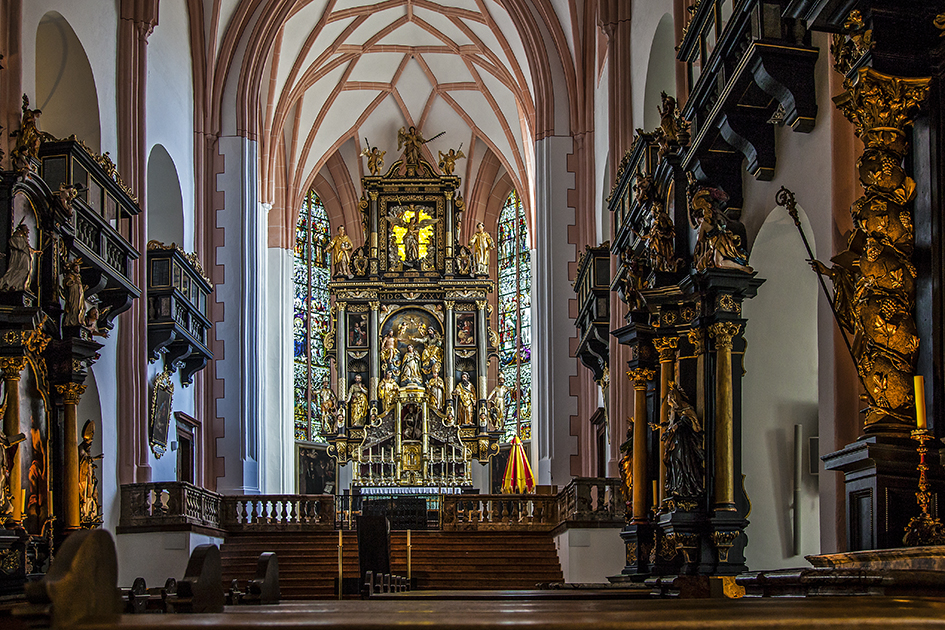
<point x="176" y="505"/>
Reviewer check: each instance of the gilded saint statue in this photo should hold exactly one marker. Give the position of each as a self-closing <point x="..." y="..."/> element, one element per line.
<point x="684" y="451"/>
<point x="481" y="244"/>
<point x="412" y="141"/>
<point x="626" y="469"/>
<point x="496" y="403"/>
<point x="432" y="356"/>
<point x="410" y="367"/>
<point x="660" y="240"/>
<point x="20" y="263"/>
<point x="340" y="247"/>
<point x="8" y="446"/>
<point x="75" y="294"/>
<point x="327" y="404"/>
<point x="389" y="359"/>
<point x="716" y="244"/>
<point x="465" y="395"/>
<point x="436" y="389"/>
<point x="448" y="160"/>
<point x="387" y="390"/>
<point x="357" y="402"/>
<point x="375" y="159"/>
<point x="28" y="138"/>
<point x="89" y="507"/>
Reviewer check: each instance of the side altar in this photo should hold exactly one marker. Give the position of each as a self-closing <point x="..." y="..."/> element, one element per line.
<point x="411" y="335"/>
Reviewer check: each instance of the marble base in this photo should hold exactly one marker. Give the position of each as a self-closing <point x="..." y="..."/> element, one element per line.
<point x="906" y="559"/>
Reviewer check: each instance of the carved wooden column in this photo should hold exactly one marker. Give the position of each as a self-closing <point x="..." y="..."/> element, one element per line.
<point x="641" y="378"/>
<point x="449" y="359"/>
<point x="71" y="394"/>
<point x="666" y="346"/>
<point x="341" y="342"/>
<point x="374" y="360"/>
<point x="723" y="498"/>
<point x="482" y="348"/>
<point x="12" y="366"/>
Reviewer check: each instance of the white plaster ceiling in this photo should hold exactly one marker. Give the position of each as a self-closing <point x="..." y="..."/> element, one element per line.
<point x="346" y="70"/>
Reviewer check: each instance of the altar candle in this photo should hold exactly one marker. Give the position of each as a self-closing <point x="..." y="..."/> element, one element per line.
<point x="920" y="422"/>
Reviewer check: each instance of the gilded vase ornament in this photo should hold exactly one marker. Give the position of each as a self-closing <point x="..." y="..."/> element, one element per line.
<point x="874" y="278"/>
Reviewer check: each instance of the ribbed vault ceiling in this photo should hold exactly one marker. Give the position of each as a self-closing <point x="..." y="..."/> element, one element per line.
<point x="345" y="72"/>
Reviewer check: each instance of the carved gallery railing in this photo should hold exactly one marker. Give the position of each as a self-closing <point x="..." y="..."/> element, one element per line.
<point x="499" y="512"/>
<point x="175" y="505"/>
<point x="278" y="512"/>
<point x="591" y="500"/>
<point x="170" y="505"/>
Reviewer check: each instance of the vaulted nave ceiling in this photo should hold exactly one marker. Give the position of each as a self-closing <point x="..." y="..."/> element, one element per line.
<point x="341" y="73"/>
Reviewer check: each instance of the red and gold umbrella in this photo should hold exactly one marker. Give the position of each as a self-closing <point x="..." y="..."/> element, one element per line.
<point x="518" y="478"/>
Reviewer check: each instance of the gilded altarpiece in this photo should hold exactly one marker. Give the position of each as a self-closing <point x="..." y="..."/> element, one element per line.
<point x="683" y="274"/>
<point x="411" y="338"/>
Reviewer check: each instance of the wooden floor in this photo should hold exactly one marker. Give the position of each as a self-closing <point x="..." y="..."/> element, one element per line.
<point x="859" y="613"/>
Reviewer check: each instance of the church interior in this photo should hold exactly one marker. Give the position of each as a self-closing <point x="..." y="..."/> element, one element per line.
<point x="362" y="313"/>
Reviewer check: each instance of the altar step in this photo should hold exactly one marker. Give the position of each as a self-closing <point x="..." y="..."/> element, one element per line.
<point x="308" y="562"/>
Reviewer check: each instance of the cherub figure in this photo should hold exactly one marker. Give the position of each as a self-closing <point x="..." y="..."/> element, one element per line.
<point x="448" y="160"/>
<point x="375" y="159"/>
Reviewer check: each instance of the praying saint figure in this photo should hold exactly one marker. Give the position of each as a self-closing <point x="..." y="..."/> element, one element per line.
<point x="20" y="262"/>
<point x="340" y="248"/>
<point x="481" y="244"/>
<point x="465" y="395"/>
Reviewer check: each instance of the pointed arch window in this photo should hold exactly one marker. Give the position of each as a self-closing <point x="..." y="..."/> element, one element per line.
<point x="515" y="320"/>
<point x="312" y="314"/>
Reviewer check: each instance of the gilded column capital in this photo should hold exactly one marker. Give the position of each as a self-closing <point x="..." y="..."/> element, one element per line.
<point x="373" y="195"/>
<point x="448" y="194"/>
<point x="666" y="346"/>
<point x="641" y="377"/>
<point x="374" y="305"/>
<point x="874" y="101"/>
<point x="724" y="333"/>
<point x="481" y="305"/>
<point x="11" y="367"/>
<point x="71" y="392"/>
<point x="696" y="337"/>
<point x="449" y="304"/>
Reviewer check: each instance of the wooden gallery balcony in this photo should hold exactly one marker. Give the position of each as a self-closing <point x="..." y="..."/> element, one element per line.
<point x="592" y="286"/>
<point x="177" y="309"/>
<point x="749" y="69"/>
<point x="99" y="223"/>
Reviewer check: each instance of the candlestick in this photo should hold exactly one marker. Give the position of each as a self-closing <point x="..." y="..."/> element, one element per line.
<point x="923" y="530"/>
<point x="920" y="421"/>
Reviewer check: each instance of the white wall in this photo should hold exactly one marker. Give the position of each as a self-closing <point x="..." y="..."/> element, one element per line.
<point x="277" y="452"/>
<point x="590" y="555"/>
<point x="780" y="390"/>
<point x="156" y="556"/>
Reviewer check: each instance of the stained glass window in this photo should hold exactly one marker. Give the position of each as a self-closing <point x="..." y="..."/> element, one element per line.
<point x="312" y="313"/>
<point x="515" y="316"/>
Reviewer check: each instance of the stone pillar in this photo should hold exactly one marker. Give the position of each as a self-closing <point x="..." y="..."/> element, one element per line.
<point x="666" y="346"/>
<point x="372" y="239"/>
<point x="641" y="378"/>
<point x="12" y="366"/>
<point x="723" y="497"/>
<point x="449" y="359"/>
<point x="71" y="394"/>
